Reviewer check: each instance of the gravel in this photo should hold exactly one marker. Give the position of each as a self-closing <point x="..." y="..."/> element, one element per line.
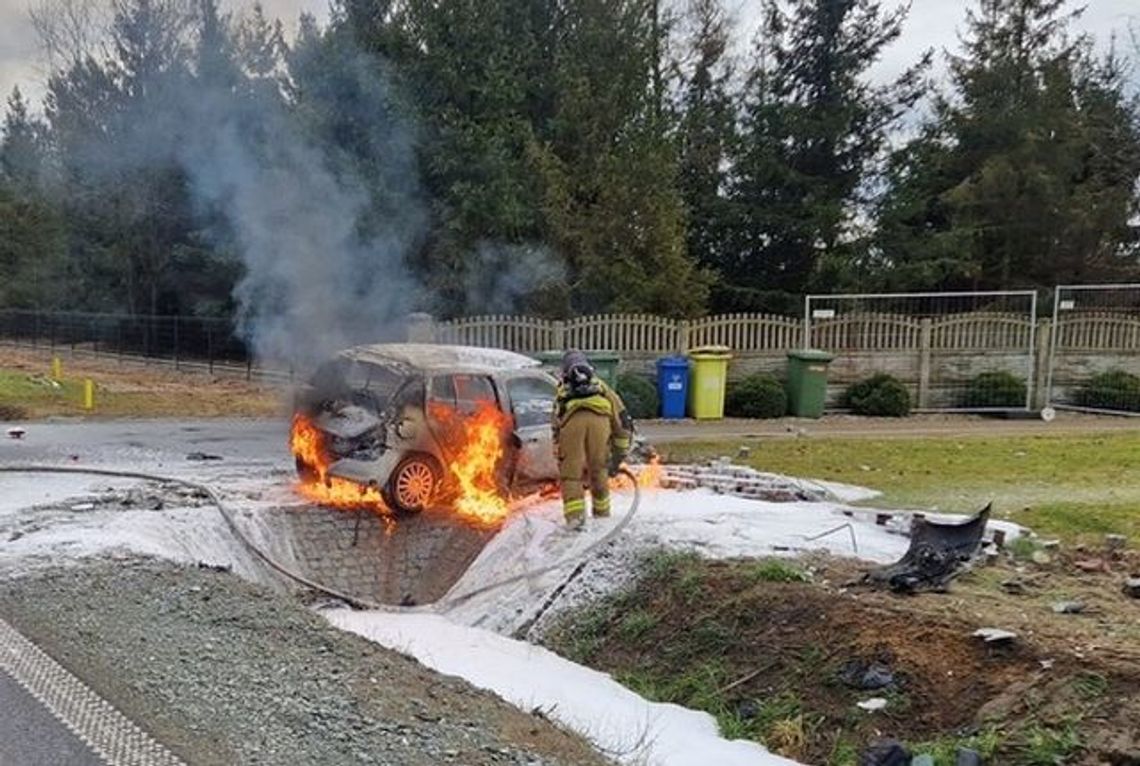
<point x="223" y="672"/>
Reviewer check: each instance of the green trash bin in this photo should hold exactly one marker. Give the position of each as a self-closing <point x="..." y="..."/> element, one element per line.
<point x="709" y="379"/>
<point x="807" y="382"/>
<point x="605" y="364"/>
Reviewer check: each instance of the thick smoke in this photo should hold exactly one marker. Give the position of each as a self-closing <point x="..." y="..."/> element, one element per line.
<point x="324" y="246"/>
<point x="324" y="268"/>
<point x="317" y="193"/>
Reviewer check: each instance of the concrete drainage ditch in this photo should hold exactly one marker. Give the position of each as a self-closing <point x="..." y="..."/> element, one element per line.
<point x="410" y="561"/>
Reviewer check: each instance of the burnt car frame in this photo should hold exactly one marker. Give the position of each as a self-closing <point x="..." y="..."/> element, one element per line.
<point x="375" y="408"/>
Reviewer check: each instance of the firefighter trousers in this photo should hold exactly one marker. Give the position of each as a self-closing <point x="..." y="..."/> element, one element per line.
<point x="584" y="450"/>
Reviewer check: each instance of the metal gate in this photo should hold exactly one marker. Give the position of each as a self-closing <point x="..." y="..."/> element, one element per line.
<point x="1094" y="356"/>
<point x="965" y="352"/>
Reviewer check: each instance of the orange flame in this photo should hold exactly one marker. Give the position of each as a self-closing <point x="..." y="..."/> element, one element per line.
<point x="477" y="464"/>
<point x="307" y="443"/>
<point x="477" y="441"/>
<point x="649" y="476"/>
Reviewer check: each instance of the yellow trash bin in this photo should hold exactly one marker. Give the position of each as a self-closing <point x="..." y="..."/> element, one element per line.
<point x="710" y="377"/>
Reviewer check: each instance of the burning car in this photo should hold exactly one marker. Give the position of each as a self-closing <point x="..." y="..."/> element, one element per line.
<point x="415" y="422"/>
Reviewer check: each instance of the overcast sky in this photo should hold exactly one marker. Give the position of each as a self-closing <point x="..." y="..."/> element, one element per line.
<point x="932" y="23"/>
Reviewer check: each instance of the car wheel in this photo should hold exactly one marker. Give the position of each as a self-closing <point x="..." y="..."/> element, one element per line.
<point x="414" y="484"/>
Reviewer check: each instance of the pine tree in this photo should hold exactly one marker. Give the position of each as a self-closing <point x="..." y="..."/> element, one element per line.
<point x="1026" y="175"/>
<point x="706" y="128"/>
<point x="812" y="132"/>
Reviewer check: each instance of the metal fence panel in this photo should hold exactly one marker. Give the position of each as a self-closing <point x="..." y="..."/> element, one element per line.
<point x="967" y="352"/>
<point x="207" y="342"/>
<point x="1094" y="356"/>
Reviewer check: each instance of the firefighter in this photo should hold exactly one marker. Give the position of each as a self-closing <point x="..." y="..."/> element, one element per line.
<point x="592" y="431"/>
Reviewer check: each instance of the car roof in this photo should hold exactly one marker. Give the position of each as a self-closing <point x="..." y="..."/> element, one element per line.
<point x="429" y="357"/>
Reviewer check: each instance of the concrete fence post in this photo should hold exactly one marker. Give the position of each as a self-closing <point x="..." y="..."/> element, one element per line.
<point x="684" y="331"/>
<point x="421" y="328"/>
<point x="557" y="335"/>
<point x="1042" y="360"/>
<point x="924" y="343"/>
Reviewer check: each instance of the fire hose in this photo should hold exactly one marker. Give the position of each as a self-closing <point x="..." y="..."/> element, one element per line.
<point x="579" y="558"/>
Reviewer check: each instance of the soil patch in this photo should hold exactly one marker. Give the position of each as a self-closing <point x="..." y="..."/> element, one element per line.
<point x="787" y="662"/>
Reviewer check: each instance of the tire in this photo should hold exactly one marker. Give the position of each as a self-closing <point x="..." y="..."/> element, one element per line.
<point x="414" y="484"/>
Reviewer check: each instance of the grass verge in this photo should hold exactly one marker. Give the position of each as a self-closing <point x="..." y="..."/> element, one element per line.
<point x="1068" y="486"/>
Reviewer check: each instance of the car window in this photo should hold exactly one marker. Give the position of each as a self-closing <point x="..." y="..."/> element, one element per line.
<point x="443" y="390"/>
<point x="532" y="401"/>
<point x="470" y="390"/>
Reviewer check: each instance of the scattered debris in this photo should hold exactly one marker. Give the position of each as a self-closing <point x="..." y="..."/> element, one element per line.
<point x="938" y="552"/>
<point x="1041" y="557"/>
<point x="862" y="675"/>
<point x="16" y="433"/>
<point x="1091" y="565"/>
<point x="215" y="567"/>
<point x="83" y="507"/>
<point x="1132" y="587"/>
<point x="748" y="709"/>
<point x="995" y="635"/>
<point x="1013" y="587"/>
<point x="203" y="456"/>
<point x="722" y="476"/>
<point x="1115" y="543"/>
<point x="872" y="705"/>
<point x="886" y="753"/>
<point x="1046" y="664"/>
<point x="15" y="536"/>
<point x="1068" y="607"/>
<point x="967" y="757"/>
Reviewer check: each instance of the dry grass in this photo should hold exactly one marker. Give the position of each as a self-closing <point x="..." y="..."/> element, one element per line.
<point x="129" y="390"/>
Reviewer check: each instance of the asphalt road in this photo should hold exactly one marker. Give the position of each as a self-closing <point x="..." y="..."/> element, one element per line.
<point x="243" y="443"/>
<point x="32" y="736"/>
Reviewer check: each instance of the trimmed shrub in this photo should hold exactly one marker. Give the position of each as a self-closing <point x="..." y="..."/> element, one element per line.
<point x="880" y="395"/>
<point x="995" y="389"/>
<point x="756" y="396"/>
<point x="1112" y="390"/>
<point x="639" y="395"/>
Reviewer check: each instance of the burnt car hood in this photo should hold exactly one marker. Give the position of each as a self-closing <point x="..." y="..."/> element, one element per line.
<point x="348" y="422"/>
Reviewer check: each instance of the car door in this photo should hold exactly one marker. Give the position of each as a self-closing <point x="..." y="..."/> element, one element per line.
<point x="532" y="405"/>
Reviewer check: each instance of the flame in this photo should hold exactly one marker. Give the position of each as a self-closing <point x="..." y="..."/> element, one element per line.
<point x="649" y="476"/>
<point x="476" y="466"/>
<point x="307" y="443"/>
<point x="477" y="444"/>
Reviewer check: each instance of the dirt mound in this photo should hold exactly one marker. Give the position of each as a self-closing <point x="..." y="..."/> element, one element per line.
<point x="787" y="662"/>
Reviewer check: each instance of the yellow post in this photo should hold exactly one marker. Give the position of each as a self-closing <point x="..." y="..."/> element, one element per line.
<point x="56" y="369"/>
<point x="88" y="394"/>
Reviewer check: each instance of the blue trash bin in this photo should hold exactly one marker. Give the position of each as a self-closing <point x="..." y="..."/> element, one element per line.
<point x="673" y="386"/>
